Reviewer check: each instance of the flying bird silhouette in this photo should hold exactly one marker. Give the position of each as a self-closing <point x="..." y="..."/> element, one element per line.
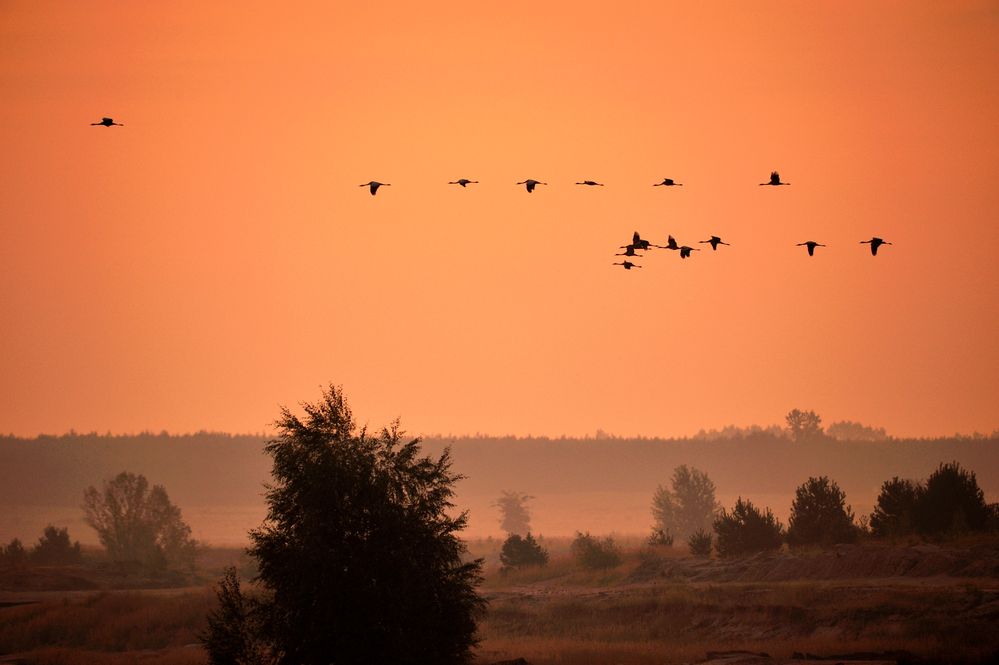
<point x="374" y="185"/>
<point x="671" y="243"/>
<point x="715" y="241"/>
<point x="875" y="243"/>
<point x="107" y="122"/>
<point x="668" y="182"/>
<point x="628" y="265"/>
<point x="591" y="183"/>
<point x="629" y="250"/>
<point x="640" y="243"/>
<point x="811" y="245"/>
<point x="531" y="184"/>
<point x="774" y="180"/>
<point x="464" y="181"/>
<point x="685" y="251"/>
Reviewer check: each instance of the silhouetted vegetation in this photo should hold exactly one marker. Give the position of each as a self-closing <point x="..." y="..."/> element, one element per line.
<point x="235" y="628"/>
<point x="895" y="512"/>
<point x="819" y="515"/>
<point x="688" y="507"/>
<point x="747" y="530"/>
<point x="54" y="548"/>
<point x="138" y="524"/>
<point x="13" y="554"/>
<point x="515" y="516"/>
<point x="359" y="560"/>
<point x="847" y="430"/>
<point x="660" y="538"/>
<point x="804" y="426"/>
<point x="951" y="501"/>
<point x="518" y="552"/>
<point x="700" y="543"/>
<point x="595" y="553"/>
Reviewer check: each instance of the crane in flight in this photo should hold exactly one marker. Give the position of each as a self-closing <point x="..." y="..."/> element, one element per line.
<point x="671" y="244"/>
<point x="374" y="185"/>
<point x="629" y="250"/>
<point x="811" y="245"/>
<point x="668" y="182"/>
<point x="628" y="265"/>
<point x="107" y="122"/>
<point x="531" y="184"/>
<point x="591" y="183"/>
<point x="774" y="180"/>
<point x="685" y="251"/>
<point x="464" y="181"/>
<point x="715" y="241"/>
<point x="875" y="243"/>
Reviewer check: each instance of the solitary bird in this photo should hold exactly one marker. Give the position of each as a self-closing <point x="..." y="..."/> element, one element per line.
<point x="591" y="183"/>
<point x="671" y="243"/>
<point x="685" y="251"/>
<point x="374" y="185"/>
<point x="715" y="241"/>
<point x="811" y="245"/>
<point x="464" y="181"/>
<point x="628" y="265"/>
<point x="531" y="184"/>
<point x="668" y="182"/>
<point x="629" y="250"/>
<point x="875" y="243"/>
<point x="774" y="180"/>
<point x="106" y="122"/>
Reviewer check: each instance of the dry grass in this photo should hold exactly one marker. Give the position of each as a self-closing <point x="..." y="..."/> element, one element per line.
<point x="107" y="622"/>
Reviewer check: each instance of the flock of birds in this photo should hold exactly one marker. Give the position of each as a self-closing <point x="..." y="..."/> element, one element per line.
<point x="637" y="244"/>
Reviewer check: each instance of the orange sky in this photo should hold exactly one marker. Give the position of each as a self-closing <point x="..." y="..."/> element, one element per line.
<point x="215" y="258"/>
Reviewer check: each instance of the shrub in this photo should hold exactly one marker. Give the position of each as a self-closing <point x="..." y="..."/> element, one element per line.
<point x="595" y="553"/>
<point x="746" y="530"/>
<point x="660" y="538"/>
<point x="13" y="554"/>
<point x="54" y="548"/>
<point x="700" y="543"/>
<point x="951" y="502"/>
<point x="523" y="552"/>
<point x="895" y="512"/>
<point x="819" y="515"/>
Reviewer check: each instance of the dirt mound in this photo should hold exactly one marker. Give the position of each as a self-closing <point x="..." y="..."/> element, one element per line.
<point x="842" y="562"/>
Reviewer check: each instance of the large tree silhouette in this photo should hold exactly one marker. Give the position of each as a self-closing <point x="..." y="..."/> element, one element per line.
<point x="359" y="560"/>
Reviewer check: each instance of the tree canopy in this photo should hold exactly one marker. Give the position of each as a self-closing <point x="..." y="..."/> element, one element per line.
<point x="359" y="557"/>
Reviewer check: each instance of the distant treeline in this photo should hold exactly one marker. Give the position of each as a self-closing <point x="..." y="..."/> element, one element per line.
<point x="220" y="469"/>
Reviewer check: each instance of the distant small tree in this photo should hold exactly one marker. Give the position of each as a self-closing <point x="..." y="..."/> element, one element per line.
<point x="747" y="530"/>
<point x="895" y="512"/>
<point x="523" y="552"/>
<point x="819" y="515"/>
<point x="136" y="523"/>
<point x="700" y="543"/>
<point x="54" y="548"/>
<point x="804" y="426"/>
<point x="847" y="430"/>
<point x="689" y="506"/>
<point x="13" y="554"/>
<point x="595" y="553"/>
<point x="235" y="627"/>
<point x="951" y="501"/>
<point x="515" y="516"/>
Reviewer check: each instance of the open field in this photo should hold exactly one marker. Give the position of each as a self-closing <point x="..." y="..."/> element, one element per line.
<point x="940" y="602"/>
